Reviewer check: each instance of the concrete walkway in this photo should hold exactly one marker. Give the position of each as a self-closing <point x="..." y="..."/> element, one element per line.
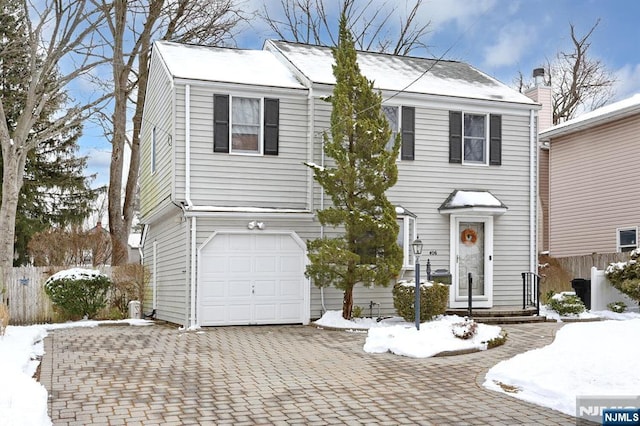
<point x="273" y="375"/>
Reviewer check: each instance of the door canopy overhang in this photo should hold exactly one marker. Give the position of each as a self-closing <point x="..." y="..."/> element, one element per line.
<point x="472" y="201"/>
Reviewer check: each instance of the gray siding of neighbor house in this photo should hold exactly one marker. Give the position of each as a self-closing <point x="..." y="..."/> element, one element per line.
<point x="593" y="175"/>
<point x="170" y="233"/>
<point x="236" y="180"/>
<point x="424" y="183"/>
<point x="157" y="114"/>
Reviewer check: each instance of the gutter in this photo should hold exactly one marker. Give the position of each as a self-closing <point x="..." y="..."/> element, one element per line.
<point x="193" y="282"/>
<point x="533" y="144"/>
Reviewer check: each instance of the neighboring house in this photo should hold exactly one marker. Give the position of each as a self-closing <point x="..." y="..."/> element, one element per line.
<point x="594" y="206"/>
<point x="228" y="203"/>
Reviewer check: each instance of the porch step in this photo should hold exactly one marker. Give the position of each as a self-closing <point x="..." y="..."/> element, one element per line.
<point x="502" y="315"/>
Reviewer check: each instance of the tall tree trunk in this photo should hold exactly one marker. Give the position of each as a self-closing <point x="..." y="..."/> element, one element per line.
<point x="347" y="303"/>
<point x="12" y="178"/>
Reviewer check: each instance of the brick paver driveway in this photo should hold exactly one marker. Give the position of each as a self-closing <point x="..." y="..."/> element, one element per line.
<point x="273" y="375"/>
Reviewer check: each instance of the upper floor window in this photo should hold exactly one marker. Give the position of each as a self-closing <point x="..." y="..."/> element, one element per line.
<point x="401" y="120"/>
<point x="475" y="138"/>
<point x="627" y="239"/>
<point x="250" y="124"/>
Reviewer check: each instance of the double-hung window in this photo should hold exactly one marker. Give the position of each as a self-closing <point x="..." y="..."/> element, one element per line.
<point x="401" y="120"/>
<point x="475" y="138"/>
<point x="627" y="239"/>
<point x="245" y="125"/>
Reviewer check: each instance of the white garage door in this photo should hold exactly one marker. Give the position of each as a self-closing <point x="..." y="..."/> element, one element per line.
<point x="253" y="278"/>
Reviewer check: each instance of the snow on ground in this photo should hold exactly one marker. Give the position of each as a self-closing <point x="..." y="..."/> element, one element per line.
<point x="23" y="401"/>
<point x="401" y="338"/>
<point x="585" y="359"/>
<point x="591" y="358"/>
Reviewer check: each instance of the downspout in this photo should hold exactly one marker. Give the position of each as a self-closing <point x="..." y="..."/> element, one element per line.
<point x="324" y="308"/>
<point x="193" y="225"/>
<point x="533" y="144"/>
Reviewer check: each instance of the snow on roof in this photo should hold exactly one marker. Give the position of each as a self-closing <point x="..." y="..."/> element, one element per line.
<point x="460" y="199"/>
<point x="395" y="73"/>
<point x="227" y="65"/>
<point x="598" y="116"/>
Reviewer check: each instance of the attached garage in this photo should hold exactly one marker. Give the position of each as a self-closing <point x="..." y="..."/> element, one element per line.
<point x="252" y="277"/>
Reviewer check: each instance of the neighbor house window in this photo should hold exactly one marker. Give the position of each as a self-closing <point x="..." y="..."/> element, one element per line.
<point x="153" y="150"/>
<point x="475" y="138"/>
<point x="627" y="239"/>
<point x="401" y="120"/>
<point x="406" y="235"/>
<point x="243" y="125"/>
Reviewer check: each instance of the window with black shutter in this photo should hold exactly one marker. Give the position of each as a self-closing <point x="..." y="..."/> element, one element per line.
<point x="408" y="133"/>
<point x="474" y="137"/>
<point x="220" y="123"/>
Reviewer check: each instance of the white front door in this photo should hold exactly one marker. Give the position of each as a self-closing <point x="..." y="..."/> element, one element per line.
<point x="472" y="248"/>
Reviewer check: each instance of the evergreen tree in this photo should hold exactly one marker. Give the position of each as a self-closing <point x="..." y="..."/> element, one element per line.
<point x="54" y="192"/>
<point x="366" y="251"/>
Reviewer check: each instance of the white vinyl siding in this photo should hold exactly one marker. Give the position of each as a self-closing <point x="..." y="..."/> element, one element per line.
<point x="170" y="238"/>
<point x="588" y="200"/>
<point x="226" y="180"/>
<point x="156" y="147"/>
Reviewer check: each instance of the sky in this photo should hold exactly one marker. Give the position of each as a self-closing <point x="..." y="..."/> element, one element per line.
<point x="578" y="362"/>
<point x="499" y="37"/>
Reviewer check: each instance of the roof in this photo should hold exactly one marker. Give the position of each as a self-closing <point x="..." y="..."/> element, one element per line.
<point x="603" y="115"/>
<point x="222" y="64"/>
<point x="402" y="73"/>
<point x="472" y="200"/>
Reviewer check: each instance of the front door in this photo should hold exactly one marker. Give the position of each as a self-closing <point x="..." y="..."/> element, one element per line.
<point x="472" y="257"/>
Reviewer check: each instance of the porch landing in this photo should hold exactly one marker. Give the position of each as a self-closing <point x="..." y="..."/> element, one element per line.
<point x="500" y="314"/>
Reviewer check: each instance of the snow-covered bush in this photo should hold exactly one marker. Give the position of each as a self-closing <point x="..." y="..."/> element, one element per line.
<point x="618" y="307"/>
<point x="78" y="292"/>
<point x="465" y="329"/>
<point x="566" y="303"/>
<point x="625" y="276"/>
<point x="433" y="299"/>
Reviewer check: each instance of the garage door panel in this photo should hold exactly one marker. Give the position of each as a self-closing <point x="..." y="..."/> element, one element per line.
<point x="266" y="264"/>
<point x="265" y="288"/>
<point x="238" y="288"/>
<point x="240" y="264"/>
<point x="290" y="264"/>
<point x="254" y="278"/>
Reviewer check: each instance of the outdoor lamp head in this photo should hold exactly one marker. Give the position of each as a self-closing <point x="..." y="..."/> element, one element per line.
<point x="417" y="246"/>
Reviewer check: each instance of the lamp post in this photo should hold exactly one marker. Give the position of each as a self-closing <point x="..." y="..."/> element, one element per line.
<point x="417" y="251"/>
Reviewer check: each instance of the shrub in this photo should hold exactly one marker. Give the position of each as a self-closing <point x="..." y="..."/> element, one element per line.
<point x="566" y="303"/>
<point x="129" y="283"/>
<point x="497" y="341"/>
<point x="618" y="307"/>
<point x="625" y="276"/>
<point x="78" y="292"/>
<point x="356" y="311"/>
<point x="433" y="300"/>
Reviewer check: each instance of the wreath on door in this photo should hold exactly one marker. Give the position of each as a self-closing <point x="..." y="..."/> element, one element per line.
<point x="469" y="237"/>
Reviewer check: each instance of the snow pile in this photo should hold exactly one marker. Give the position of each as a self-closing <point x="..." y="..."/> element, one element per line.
<point x="592" y="358"/>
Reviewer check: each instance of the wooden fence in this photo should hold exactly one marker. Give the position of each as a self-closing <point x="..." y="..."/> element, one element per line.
<point x="580" y="266"/>
<point x="25" y="296"/>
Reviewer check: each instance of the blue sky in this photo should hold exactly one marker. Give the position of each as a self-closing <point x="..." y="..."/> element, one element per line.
<point x="499" y="37"/>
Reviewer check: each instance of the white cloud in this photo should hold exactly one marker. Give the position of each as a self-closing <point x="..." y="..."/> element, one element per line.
<point x="461" y="12"/>
<point x="627" y="81"/>
<point x="511" y="45"/>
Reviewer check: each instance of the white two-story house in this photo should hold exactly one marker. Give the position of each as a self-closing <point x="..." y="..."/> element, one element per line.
<point x="228" y="203"/>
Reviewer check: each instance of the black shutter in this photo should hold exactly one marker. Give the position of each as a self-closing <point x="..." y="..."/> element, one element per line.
<point x="220" y="123"/>
<point x="408" y="133"/>
<point x="495" y="140"/>
<point x="271" y="122"/>
<point x="455" y="137"/>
